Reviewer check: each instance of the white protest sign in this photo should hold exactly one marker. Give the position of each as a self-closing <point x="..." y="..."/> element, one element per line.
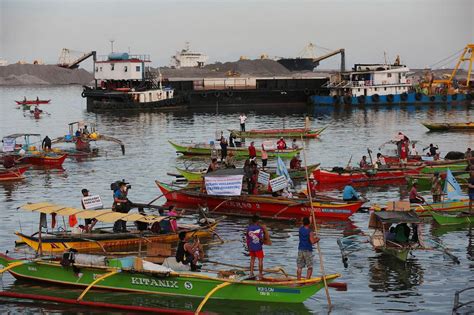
<point x="9" y="144"/>
<point x="224" y="185"/>
<point x="278" y="183"/>
<point x="92" y="202"/>
<point x="263" y="178"/>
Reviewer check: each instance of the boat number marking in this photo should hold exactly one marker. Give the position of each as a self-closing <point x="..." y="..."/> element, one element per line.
<point x="155" y="283"/>
<point x="188" y="285"/>
<point x="268" y="291"/>
<point x="30" y="268"/>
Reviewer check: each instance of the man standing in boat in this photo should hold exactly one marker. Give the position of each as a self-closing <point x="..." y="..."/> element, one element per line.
<point x="122" y="205"/>
<point x="305" y="249"/>
<point x="255" y="238"/>
<point x="470" y="185"/>
<point x="46" y="144"/>
<point x="242" y="118"/>
<point x="436" y="189"/>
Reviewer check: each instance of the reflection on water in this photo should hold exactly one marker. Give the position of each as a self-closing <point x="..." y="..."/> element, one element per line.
<point x="376" y="284"/>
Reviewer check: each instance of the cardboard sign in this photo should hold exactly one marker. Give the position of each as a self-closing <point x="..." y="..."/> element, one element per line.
<point x="278" y="183"/>
<point x="224" y="185"/>
<point x="263" y="178"/>
<point x="92" y="202"/>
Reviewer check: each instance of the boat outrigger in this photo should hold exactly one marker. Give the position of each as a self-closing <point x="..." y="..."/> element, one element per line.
<point x="103" y="240"/>
<point x="82" y="138"/>
<point x="453" y="219"/>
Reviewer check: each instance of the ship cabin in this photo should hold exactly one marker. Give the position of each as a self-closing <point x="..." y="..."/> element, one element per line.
<point x="129" y="74"/>
<point x="371" y="79"/>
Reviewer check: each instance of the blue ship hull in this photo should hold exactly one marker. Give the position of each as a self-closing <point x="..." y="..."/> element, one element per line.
<point x="409" y="98"/>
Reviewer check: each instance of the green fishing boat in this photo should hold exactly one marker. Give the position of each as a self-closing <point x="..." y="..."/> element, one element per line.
<point x="277" y="133"/>
<point x="455" y="166"/>
<point x="453" y="219"/>
<point x="239" y="152"/>
<point x="424" y="180"/>
<point x="157" y="279"/>
<point x="197" y="176"/>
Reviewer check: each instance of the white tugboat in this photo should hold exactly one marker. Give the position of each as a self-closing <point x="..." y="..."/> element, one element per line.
<point x="125" y="82"/>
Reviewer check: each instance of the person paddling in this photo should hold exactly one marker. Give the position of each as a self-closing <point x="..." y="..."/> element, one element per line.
<point x="305" y="249"/>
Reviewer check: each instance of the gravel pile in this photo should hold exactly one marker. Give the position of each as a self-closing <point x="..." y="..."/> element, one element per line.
<point x="17" y="74"/>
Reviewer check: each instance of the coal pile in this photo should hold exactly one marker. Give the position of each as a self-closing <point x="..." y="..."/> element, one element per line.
<point x="28" y="74"/>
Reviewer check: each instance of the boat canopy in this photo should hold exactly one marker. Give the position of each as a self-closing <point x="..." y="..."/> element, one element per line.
<point x="18" y="135"/>
<point x="104" y="215"/>
<point x="225" y="172"/>
<point x="397" y="217"/>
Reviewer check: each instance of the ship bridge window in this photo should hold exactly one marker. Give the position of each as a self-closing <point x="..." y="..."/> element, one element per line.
<point x="137" y="68"/>
<point x="125" y="69"/>
<point x="389" y="75"/>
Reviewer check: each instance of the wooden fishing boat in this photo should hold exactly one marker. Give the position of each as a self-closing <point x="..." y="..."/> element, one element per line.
<point x="423" y="181"/>
<point x="266" y="206"/>
<point x="13" y="173"/>
<point x="33" y="102"/>
<point x="239" y="152"/>
<point x="443" y="167"/>
<point x="102" y="240"/>
<point x="157" y="279"/>
<point x="459" y="126"/>
<point x="276" y="133"/>
<point x="443" y="206"/>
<point x="356" y="175"/>
<point x="397" y="245"/>
<point x="449" y="219"/>
<point x="195" y="177"/>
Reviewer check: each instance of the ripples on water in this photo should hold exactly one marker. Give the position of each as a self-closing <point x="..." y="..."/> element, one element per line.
<point x="425" y="284"/>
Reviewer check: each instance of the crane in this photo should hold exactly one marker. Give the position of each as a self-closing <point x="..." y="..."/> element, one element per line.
<point x="66" y="60"/>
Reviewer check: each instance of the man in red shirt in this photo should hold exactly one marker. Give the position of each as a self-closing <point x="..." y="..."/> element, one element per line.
<point x="404" y="153"/>
<point x="281" y="144"/>
<point x="252" y="151"/>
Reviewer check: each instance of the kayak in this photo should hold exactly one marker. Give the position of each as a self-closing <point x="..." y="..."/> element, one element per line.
<point x="133" y="274"/>
<point x="463" y="126"/>
<point x="266" y="206"/>
<point x="447" y="219"/>
<point x="276" y="133"/>
<point x="33" y="102"/>
<point x="346" y="177"/>
<point x="13" y="173"/>
<point x="239" y="152"/>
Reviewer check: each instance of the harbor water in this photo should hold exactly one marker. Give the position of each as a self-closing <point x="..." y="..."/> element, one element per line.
<point x="376" y="284"/>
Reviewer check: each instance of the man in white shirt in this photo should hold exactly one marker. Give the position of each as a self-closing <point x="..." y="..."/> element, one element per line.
<point x="242" y="118"/>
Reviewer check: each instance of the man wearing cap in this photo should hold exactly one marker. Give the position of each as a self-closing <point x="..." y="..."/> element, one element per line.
<point x="121" y="204"/>
<point x="436" y="189"/>
<point x="88" y="223"/>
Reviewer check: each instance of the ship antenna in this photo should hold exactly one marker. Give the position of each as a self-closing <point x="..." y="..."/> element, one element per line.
<point x="112" y="44"/>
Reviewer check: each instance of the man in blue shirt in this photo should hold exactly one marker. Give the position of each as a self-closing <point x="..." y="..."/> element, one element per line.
<point x="305" y="249"/>
<point x="122" y="205"/>
<point x="349" y="194"/>
<point x="255" y="237"/>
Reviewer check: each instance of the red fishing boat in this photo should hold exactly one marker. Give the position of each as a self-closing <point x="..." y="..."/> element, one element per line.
<point x="354" y="176"/>
<point x="33" y="102"/>
<point x="396" y="159"/>
<point x="45" y="159"/>
<point x="266" y="206"/>
<point x="13" y="173"/>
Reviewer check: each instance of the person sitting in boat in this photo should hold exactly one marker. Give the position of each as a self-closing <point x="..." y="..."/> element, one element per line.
<point x="255" y="238"/>
<point x="252" y="151"/>
<point x="78" y="133"/>
<point x="350" y="194"/>
<point x="402" y="233"/>
<point x="85" y="131"/>
<point x="390" y="234"/>
<point x="363" y="164"/>
<point x="380" y="163"/>
<point x="189" y="253"/>
<point x="230" y="160"/>
<point x="413" y="150"/>
<point x="281" y="144"/>
<point x="295" y="162"/>
<point x="37" y="111"/>
<point x="436" y="187"/>
<point x="294" y="145"/>
<point x="213" y="166"/>
<point x="432" y="150"/>
<point x="46" y="144"/>
<point x="305" y="249"/>
<point x="414" y="196"/>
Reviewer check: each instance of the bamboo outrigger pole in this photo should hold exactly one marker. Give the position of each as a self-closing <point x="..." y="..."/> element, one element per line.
<point x="321" y="264"/>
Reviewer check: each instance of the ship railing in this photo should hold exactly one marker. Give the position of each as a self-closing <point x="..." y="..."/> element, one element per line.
<point x="143" y="58"/>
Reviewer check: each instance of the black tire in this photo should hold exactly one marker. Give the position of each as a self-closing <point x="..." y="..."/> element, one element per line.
<point x="390" y="98"/>
<point x="336" y="99"/>
<point x="347" y="100"/>
<point x="444" y="98"/>
<point x="404" y="96"/>
<point x="418" y="96"/>
<point x="217" y="94"/>
<point x="306" y="92"/>
<point x="454" y="97"/>
<point x="361" y="99"/>
<point x="230" y="93"/>
<point x="432" y="98"/>
<point x="375" y="98"/>
<point x="204" y="94"/>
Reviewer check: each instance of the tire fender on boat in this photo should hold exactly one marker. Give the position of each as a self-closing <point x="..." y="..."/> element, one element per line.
<point x="83" y="94"/>
<point x="432" y="98"/>
<point x="390" y="98"/>
<point x="306" y="92"/>
<point x="347" y="99"/>
<point x="230" y="93"/>
<point x="375" y="98"/>
<point x="217" y="94"/>
<point x="444" y="98"/>
<point x="204" y="94"/>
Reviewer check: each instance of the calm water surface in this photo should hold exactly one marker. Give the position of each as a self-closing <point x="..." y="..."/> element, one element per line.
<point x="425" y="284"/>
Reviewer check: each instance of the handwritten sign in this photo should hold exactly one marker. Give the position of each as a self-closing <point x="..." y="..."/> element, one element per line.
<point x="278" y="183"/>
<point x="9" y="144"/>
<point x="92" y="202"/>
<point x="224" y="185"/>
<point x="263" y="178"/>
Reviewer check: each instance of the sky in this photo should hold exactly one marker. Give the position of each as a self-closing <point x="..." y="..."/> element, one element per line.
<point x="422" y="32"/>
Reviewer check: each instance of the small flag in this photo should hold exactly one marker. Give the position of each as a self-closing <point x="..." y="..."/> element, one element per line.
<point x="451" y="186"/>
<point x="283" y="171"/>
<point x="72" y="220"/>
